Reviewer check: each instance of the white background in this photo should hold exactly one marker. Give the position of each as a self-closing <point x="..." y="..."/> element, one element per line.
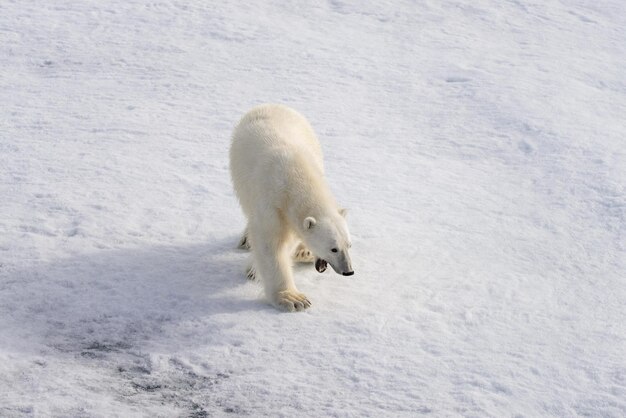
<point x="480" y="149"/>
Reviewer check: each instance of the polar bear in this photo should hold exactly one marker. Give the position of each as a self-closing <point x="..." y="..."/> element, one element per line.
<point x="277" y="171"/>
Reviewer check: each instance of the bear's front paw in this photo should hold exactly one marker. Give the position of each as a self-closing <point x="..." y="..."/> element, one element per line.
<point x="302" y="254"/>
<point x="290" y="300"/>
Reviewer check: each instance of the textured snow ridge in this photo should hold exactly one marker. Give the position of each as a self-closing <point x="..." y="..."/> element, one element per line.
<point x="479" y="146"/>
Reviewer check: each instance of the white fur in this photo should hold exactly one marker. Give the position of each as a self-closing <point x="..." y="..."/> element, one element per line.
<point x="277" y="170"/>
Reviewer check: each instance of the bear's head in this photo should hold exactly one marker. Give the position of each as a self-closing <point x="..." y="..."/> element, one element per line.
<point x="329" y="240"/>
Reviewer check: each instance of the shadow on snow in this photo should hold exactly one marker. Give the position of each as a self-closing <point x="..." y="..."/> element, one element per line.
<point x="114" y="300"/>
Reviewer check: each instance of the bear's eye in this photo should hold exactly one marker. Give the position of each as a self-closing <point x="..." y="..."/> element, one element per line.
<point x="334" y="250"/>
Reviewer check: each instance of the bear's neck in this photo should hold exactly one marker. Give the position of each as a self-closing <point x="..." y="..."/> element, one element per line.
<point x="309" y="196"/>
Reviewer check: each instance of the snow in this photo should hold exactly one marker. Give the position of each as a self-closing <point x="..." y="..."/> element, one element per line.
<point x="479" y="146"/>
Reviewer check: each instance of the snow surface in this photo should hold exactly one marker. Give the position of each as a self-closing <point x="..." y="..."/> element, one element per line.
<point x="480" y="148"/>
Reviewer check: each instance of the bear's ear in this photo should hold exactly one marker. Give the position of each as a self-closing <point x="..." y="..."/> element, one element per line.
<point x="343" y="212"/>
<point x="309" y="222"/>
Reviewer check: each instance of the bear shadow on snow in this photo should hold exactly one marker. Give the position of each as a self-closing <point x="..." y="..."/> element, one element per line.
<point x="112" y="300"/>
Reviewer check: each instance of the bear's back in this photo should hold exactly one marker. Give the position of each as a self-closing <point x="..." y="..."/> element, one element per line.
<point x="270" y="126"/>
<point x="268" y="144"/>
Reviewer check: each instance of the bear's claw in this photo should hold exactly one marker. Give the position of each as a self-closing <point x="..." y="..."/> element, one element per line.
<point x="302" y="254"/>
<point x="244" y="242"/>
<point x="292" y="301"/>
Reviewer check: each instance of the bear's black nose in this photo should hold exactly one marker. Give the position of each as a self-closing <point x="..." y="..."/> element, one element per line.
<point x="348" y="273"/>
